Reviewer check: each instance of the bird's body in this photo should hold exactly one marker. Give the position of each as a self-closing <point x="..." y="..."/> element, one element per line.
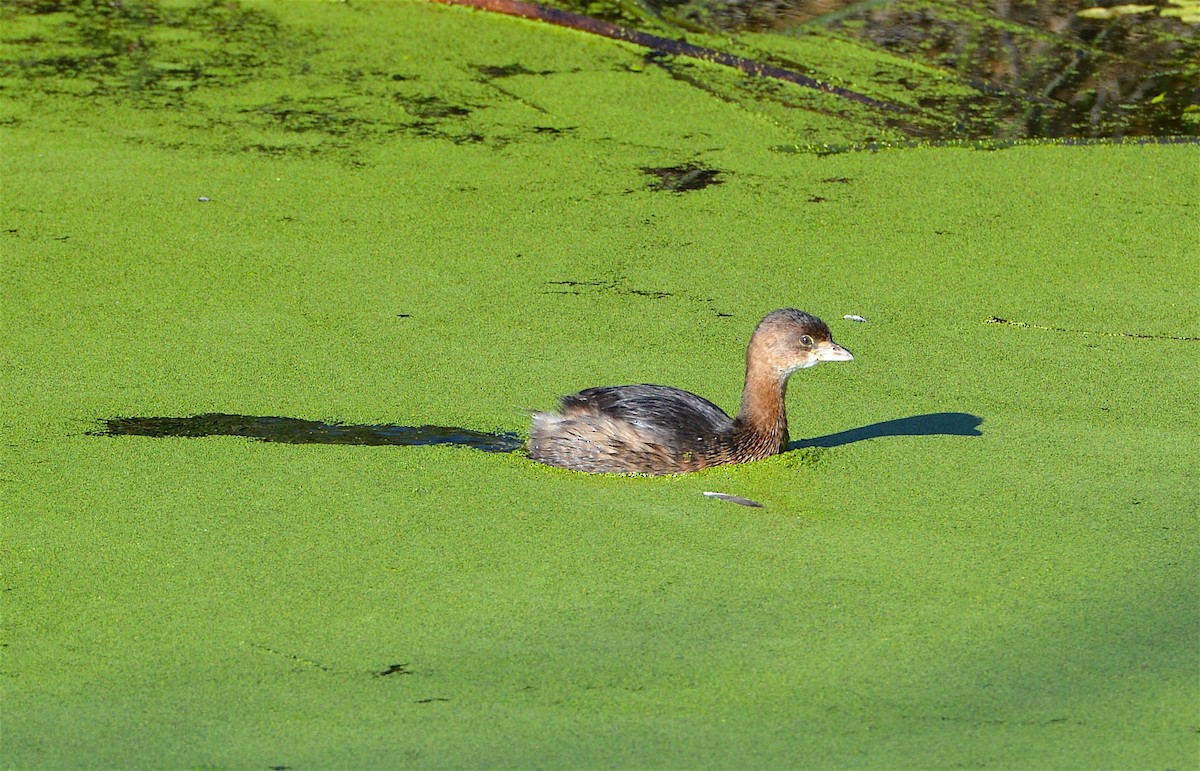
<point x="654" y="429"/>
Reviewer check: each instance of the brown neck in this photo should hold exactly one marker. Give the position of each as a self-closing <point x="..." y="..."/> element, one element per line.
<point x="761" y="427"/>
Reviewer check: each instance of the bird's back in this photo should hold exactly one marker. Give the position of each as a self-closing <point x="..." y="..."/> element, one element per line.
<point x="646" y="428"/>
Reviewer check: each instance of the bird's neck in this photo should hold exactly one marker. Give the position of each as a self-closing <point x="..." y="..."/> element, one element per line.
<point x="761" y="426"/>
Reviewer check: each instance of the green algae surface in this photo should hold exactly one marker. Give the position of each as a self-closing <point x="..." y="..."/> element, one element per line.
<point x="982" y="553"/>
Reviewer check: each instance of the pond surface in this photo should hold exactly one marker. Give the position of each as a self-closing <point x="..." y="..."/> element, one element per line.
<point x="374" y="216"/>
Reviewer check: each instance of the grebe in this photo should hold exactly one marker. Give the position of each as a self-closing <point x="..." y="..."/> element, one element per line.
<point x="652" y="429"/>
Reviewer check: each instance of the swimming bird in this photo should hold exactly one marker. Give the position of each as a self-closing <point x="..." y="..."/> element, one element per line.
<point x="653" y="429"/>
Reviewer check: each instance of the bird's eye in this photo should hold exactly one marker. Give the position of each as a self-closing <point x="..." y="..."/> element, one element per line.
<point x="806" y="341"/>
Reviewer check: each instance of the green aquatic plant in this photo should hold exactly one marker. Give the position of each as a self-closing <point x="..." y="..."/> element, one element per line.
<point x="1187" y="11"/>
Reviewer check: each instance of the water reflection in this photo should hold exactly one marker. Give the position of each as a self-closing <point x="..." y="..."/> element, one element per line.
<point x="1036" y="69"/>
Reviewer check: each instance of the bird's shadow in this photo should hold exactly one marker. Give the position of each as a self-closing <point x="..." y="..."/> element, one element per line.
<point x="297" y="431"/>
<point x="933" y="424"/>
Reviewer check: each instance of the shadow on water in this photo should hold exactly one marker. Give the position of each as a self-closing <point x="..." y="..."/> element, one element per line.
<point x="937" y="423"/>
<point x="296" y="431"/>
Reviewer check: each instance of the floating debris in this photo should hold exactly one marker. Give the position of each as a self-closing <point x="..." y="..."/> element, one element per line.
<point x="734" y="499"/>
<point x="680" y="179"/>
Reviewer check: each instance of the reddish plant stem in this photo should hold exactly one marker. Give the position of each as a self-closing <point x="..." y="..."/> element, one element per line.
<point x="677" y="47"/>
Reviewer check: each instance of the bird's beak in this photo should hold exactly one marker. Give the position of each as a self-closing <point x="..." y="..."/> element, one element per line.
<point x="831" y="351"/>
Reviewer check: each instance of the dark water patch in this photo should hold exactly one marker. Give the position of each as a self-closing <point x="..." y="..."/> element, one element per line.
<point x="682" y="178"/>
<point x="933" y="424"/>
<point x="322" y="116"/>
<point x="507" y="70"/>
<point x="618" y="286"/>
<point x="278" y="151"/>
<point x="143" y="47"/>
<point x="435" y="131"/>
<point x="1135" y="335"/>
<point x="437" y="117"/>
<point x="297" y="431"/>
<point x="191" y="58"/>
<point x="432" y="107"/>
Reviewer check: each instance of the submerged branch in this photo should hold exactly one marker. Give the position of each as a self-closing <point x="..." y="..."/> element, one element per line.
<point x="607" y="29"/>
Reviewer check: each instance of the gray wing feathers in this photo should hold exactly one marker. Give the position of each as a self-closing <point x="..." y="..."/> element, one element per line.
<point x="651" y="407"/>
